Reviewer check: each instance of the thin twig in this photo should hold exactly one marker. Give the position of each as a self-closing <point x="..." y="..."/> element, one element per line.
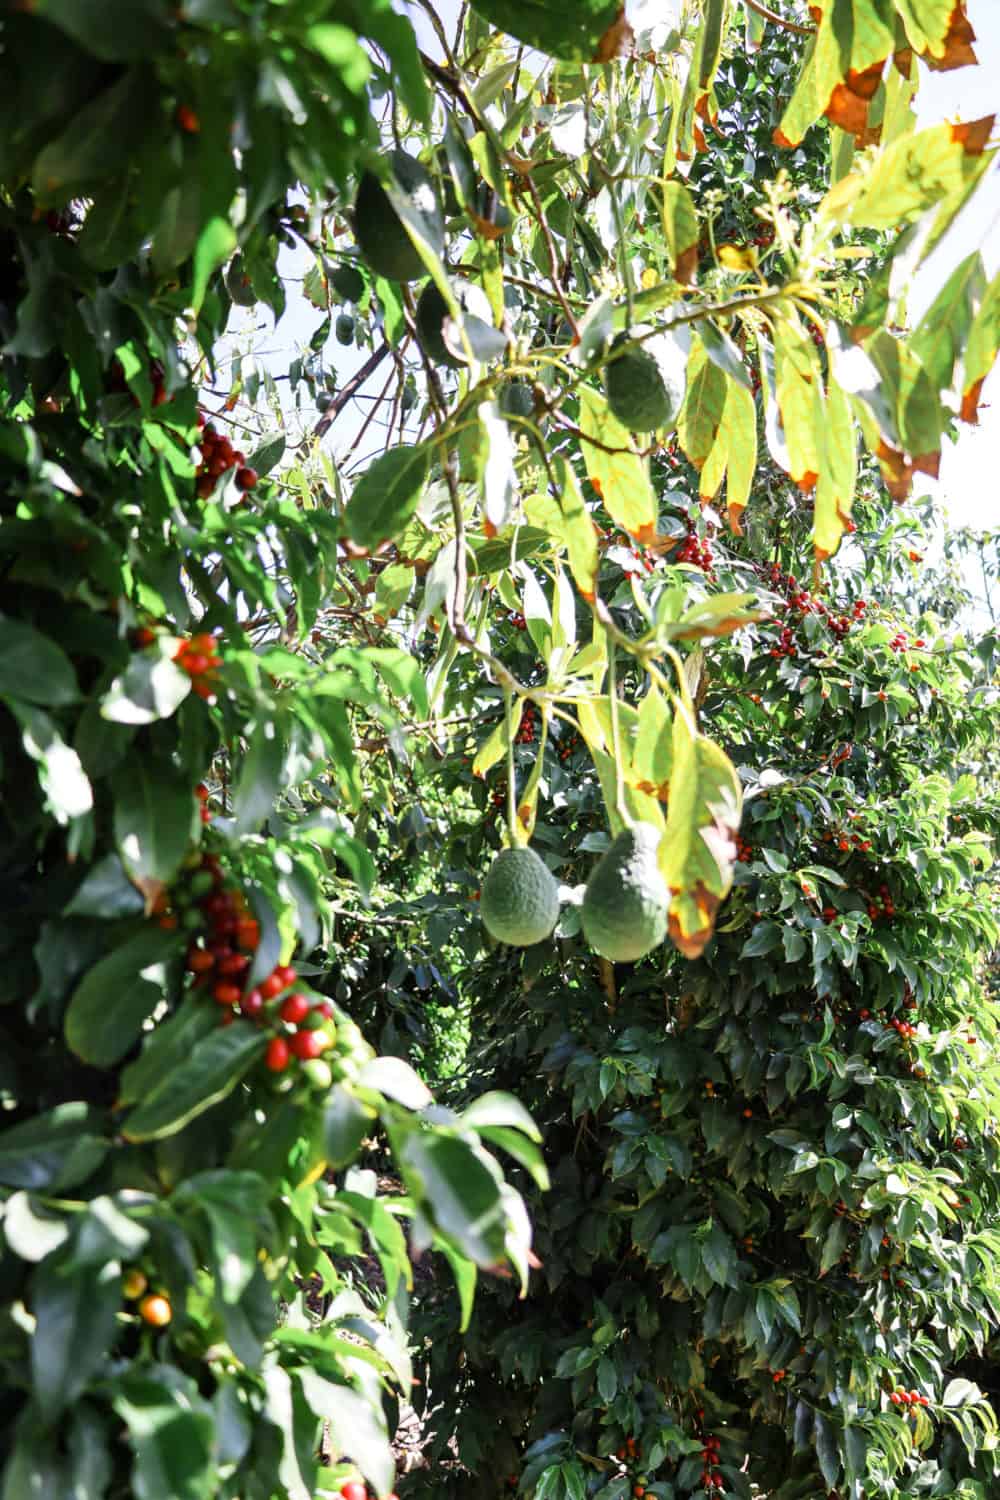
<point x="769" y="15"/>
<point x="550" y="246"/>
<point x="368" y="420"/>
<point x="344" y="395"/>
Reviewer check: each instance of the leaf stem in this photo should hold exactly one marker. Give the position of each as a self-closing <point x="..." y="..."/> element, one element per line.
<point x="511" y="794"/>
<point x="616" y="743"/>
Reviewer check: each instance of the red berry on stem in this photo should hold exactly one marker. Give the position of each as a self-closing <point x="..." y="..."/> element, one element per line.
<point x="227" y="994"/>
<point x="234" y="964"/>
<point x="295" y="1009"/>
<point x="252" y="1004"/>
<point x="308" y="1044"/>
<point x="248" y="933"/>
<point x="246" y="478"/>
<point x="354" y="1490"/>
<point x="277" y="1055"/>
<point x="272" y="985"/>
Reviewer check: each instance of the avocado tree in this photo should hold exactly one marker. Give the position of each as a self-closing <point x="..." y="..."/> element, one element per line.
<point x="768" y="1256"/>
<point x="225" y="672"/>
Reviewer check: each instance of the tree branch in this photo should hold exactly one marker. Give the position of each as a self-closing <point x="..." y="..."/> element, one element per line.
<point x="342" y="397"/>
<point x="769" y="15"/>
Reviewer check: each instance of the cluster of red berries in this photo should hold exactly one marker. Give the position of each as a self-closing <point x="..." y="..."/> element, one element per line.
<point x="960" y="1143"/>
<point x="640" y="561"/>
<point x="904" y="1028"/>
<point x="902" y="642"/>
<point x="118" y="385"/>
<point x="696" y="552"/>
<point x="218" y="456"/>
<point x="224" y="937"/>
<point x="199" y="658"/>
<point x="631" y="1456"/>
<point x="846" y="841"/>
<point x="517" y="620"/>
<point x="498" y="800"/>
<point x="192" y="905"/>
<point x="527" y="728"/>
<point x="801" y="602"/>
<point x="568" y="746"/>
<point x="786" y="644"/>
<point x="744" y="851"/>
<point x="711" y="1476"/>
<point x="908" y="1398"/>
<point x="887" y="910"/>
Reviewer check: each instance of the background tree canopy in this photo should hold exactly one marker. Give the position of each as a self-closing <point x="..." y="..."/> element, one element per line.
<point x="623" y="579"/>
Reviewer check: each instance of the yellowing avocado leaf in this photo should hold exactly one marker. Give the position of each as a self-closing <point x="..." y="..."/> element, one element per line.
<point x="494" y="747"/>
<point x="804" y="107"/>
<point x="653" y="752"/>
<point x="702" y="410"/>
<point x="680" y="226"/>
<point x="733" y="455"/>
<point x="698" y="100"/>
<point x="698" y="851"/>
<point x="737" y="257"/>
<point x="980" y="351"/>
<point x="910" y="176"/>
<point x="569" y="524"/>
<point x="615" y="469"/>
<point x="800" y="401"/>
<point x="939" y="30"/>
<point x="718" y="615"/>
<point x="838" y="470"/>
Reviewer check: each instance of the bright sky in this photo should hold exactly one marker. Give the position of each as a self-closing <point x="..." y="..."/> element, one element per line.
<point x="969" y="484"/>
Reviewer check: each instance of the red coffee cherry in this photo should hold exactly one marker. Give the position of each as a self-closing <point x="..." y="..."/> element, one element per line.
<point x="309" y="1044"/>
<point x="277" y="1055"/>
<point x="295" y="1009"/>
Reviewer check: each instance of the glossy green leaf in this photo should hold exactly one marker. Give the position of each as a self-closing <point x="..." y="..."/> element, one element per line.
<point x="116" y="996"/>
<point x="154" y="819"/>
<point x="170" y="1435"/>
<point x="75" y="1322"/>
<point x="581" y="35"/>
<point x="387" y="495"/>
<point x="106" y="892"/>
<point x="33" y="668"/>
<point x="210" y="1072"/>
<point x="55" y="1150"/>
